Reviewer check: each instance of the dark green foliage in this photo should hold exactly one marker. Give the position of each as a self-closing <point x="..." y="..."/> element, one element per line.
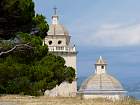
<point x="40" y="25"/>
<point x="15" y="16"/>
<point x="26" y="67"/>
<point x="32" y="70"/>
<point x="69" y="74"/>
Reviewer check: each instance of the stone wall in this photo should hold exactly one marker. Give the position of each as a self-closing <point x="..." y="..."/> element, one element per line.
<point x="65" y="89"/>
<point x="112" y="97"/>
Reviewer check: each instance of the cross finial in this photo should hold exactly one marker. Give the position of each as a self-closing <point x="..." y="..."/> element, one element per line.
<point x="55" y="17"/>
<point x="55" y="10"/>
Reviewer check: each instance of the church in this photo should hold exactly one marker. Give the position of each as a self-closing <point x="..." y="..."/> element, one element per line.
<point x="99" y="84"/>
<point x="59" y="43"/>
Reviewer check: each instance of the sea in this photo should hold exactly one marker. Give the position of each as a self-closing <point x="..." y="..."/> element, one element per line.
<point x="134" y="94"/>
<point x="132" y="90"/>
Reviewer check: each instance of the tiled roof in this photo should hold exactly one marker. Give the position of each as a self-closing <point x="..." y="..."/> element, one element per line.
<point x="101" y="83"/>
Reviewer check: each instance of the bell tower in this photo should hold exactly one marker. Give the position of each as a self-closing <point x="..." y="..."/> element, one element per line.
<point x="59" y="43"/>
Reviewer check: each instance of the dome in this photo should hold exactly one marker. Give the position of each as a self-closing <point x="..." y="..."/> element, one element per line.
<point x="103" y="83"/>
<point x="57" y="29"/>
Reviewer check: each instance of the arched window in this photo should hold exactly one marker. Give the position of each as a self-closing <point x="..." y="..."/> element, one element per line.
<point x="102" y="67"/>
<point x="59" y="42"/>
<point x="50" y="42"/>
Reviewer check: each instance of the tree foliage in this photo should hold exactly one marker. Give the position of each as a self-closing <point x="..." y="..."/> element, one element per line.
<point x="32" y="70"/>
<point x="40" y="25"/>
<point x="26" y="66"/>
<point x="15" y="16"/>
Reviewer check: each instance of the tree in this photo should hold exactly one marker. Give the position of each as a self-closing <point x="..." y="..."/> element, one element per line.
<point x="69" y="74"/>
<point x="40" y="25"/>
<point x="28" y="68"/>
<point x="25" y="65"/>
<point x="16" y="16"/>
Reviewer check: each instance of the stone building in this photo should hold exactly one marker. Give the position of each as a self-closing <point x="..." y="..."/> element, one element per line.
<point x="101" y="84"/>
<point x="58" y="41"/>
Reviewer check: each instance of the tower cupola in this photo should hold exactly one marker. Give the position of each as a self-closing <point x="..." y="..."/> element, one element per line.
<point x="100" y="66"/>
<point x="55" y="17"/>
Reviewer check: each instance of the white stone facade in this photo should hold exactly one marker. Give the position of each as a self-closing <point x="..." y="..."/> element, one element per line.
<point x="58" y="41"/>
<point x="112" y="97"/>
<point x="100" y="66"/>
<point x="65" y="89"/>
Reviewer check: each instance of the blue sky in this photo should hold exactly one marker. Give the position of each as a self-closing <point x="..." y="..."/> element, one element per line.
<point x="110" y="28"/>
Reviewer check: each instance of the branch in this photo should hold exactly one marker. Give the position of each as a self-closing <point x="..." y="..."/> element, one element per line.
<point x="12" y="49"/>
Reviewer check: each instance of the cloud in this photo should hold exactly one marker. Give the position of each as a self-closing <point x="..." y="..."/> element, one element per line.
<point x="111" y="35"/>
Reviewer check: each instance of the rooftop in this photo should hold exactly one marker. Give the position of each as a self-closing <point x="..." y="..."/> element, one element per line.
<point x="101" y="61"/>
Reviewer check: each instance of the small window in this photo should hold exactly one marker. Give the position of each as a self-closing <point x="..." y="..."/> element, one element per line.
<point x="59" y="42"/>
<point x="102" y="67"/>
<point x="50" y="42"/>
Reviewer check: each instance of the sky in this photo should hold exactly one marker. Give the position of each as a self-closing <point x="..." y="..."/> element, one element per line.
<point x="107" y="28"/>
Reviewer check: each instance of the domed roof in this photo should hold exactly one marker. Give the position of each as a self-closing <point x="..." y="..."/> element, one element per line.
<point x="101" y="83"/>
<point x="57" y="29"/>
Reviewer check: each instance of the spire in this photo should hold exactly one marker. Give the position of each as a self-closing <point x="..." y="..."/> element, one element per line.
<point x="100" y="61"/>
<point x="55" y="16"/>
<point x="100" y="57"/>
